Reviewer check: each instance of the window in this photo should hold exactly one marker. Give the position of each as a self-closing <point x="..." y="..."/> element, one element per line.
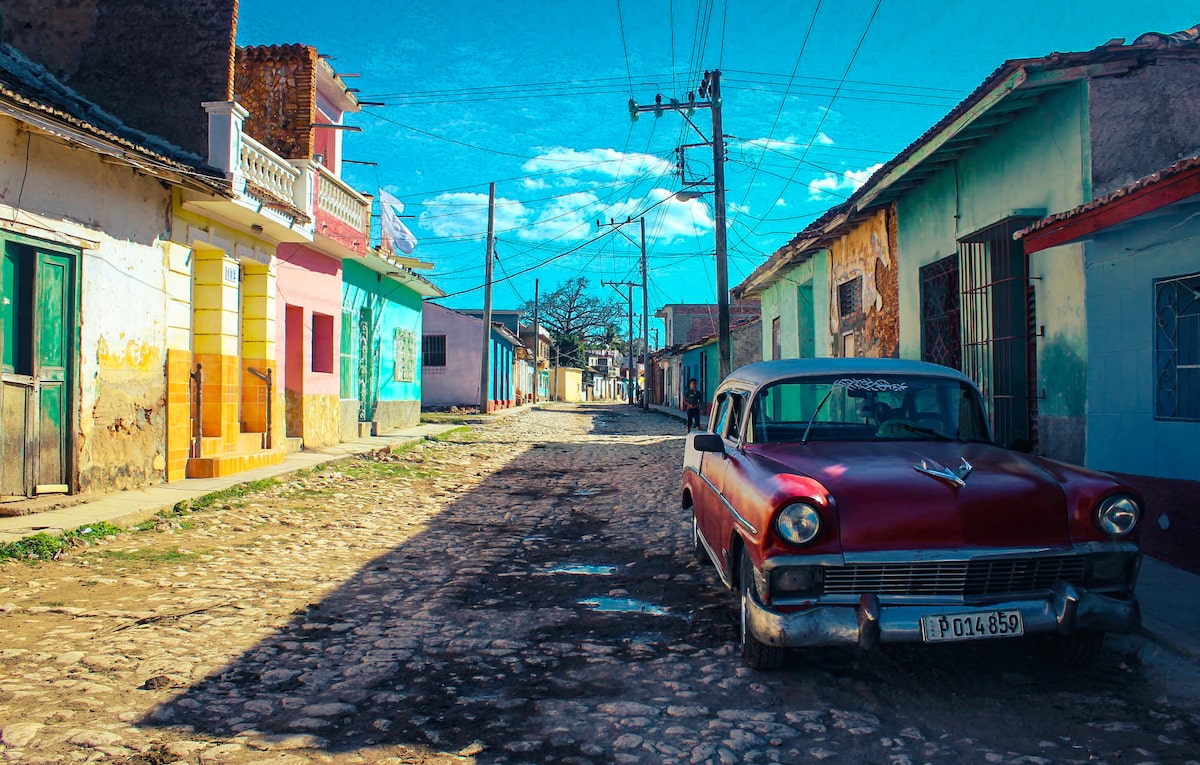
<point x="776" y="340"/>
<point x="1177" y="348"/>
<point x="405" y="365"/>
<point x="322" y="342"/>
<point x="850" y="297"/>
<point x="433" y="351"/>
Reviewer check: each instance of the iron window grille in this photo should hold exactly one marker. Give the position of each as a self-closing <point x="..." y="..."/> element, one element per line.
<point x="850" y="298"/>
<point x="941" y="330"/>
<point x="1177" y="348"/>
<point x="433" y="350"/>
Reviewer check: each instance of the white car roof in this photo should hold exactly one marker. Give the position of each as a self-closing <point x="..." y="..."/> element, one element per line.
<point x="763" y="372"/>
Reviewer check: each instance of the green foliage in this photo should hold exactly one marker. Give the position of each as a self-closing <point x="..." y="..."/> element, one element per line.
<point x="43" y="546"/>
<point x="173" y="555"/>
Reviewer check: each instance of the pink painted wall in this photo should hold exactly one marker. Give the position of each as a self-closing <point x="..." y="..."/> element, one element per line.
<point x="313" y="282"/>
<point x="457" y="383"/>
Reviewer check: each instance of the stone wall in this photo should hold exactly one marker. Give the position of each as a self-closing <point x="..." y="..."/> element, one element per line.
<point x="277" y="85"/>
<point x="151" y="63"/>
<point x="1142" y="121"/>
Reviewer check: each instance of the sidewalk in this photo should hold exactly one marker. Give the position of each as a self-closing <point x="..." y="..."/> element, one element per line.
<point x="129" y="508"/>
<point x="1168" y="595"/>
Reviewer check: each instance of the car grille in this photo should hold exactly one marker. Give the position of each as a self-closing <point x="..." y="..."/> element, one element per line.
<point x="956" y="578"/>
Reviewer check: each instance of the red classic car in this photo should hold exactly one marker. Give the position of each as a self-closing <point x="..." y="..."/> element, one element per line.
<point x="859" y="501"/>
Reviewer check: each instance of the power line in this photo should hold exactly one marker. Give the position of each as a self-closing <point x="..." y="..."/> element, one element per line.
<point x="625" y="48"/>
<point x="821" y="123"/>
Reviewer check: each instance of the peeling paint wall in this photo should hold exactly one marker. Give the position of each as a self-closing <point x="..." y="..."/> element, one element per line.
<point x="120" y="220"/>
<point x="865" y="253"/>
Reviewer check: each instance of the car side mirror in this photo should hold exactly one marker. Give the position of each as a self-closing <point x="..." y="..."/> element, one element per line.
<point x="708" y="442"/>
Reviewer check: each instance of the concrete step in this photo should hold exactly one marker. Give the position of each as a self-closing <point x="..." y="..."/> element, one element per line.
<point x="292" y="445"/>
<point x="229" y="464"/>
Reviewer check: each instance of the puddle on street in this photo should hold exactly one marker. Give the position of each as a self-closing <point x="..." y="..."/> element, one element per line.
<point x="583" y="491"/>
<point x="584" y="570"/>
<point x="625" y="606"/>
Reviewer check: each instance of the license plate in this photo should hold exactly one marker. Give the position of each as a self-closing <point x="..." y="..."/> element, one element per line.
<point x="974" y="626"/>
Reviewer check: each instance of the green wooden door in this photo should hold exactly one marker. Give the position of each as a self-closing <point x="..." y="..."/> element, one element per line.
<point x="38" y="330"/>
<point x="366" y="365"/>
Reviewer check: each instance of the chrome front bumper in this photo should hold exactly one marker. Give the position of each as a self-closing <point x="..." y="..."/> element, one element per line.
<point x="869" y="623"/>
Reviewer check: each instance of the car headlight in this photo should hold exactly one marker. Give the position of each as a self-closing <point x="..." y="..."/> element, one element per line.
<point x="798" y="524"/>
<point x="1117" y="515"/>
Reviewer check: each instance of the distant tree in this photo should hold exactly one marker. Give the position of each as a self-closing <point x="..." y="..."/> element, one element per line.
<point x="576" y="319"/>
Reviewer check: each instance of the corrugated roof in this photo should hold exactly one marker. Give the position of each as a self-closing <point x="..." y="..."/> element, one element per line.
<point x="1015" y="86"/>
<point x="29" y="87"/>
<point x="1145" y="182"/>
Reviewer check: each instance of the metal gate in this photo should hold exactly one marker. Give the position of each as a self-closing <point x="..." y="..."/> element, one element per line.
<point x="998" y="350"/>
<point x="941" y="333"/>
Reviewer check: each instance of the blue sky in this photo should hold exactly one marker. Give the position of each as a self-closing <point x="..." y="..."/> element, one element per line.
<point x="533" y="95"/>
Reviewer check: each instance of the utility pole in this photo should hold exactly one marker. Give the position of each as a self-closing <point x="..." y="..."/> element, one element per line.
<point x="712" y="85"/>
<point x="629" y="299"/>
<point x="486" y="362"/>
<point x="537" y="341"/>
<point x="645" y="321"/>
<point x="710" y="89"/>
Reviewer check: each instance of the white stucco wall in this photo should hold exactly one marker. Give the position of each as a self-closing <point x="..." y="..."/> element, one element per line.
<point x="120" y="220"/>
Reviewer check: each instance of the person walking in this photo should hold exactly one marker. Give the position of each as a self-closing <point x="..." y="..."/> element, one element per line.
<point x="691" y="405"/>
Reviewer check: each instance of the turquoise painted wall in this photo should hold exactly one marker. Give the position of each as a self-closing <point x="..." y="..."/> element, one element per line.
<point x="1122" y="432"/>
<point x="1036" y="165"/>
<point x="394" y="307"/>
<point x="803" y="320"/>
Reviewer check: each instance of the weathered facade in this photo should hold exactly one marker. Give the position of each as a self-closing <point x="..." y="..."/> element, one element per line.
<point x="1038" y="135"/>
<point x="1142" y="298"/>
<point x="86" y="278"/>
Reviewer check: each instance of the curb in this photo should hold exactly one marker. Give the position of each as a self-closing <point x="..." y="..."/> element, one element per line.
<point x="60" y="520"/>
<point x="1169" y="637"/>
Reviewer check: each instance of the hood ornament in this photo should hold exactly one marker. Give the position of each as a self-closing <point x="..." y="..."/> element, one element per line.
<point x="956" y="477"/>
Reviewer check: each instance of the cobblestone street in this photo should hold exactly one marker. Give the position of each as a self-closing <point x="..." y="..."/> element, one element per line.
<point x="519" y="592"/>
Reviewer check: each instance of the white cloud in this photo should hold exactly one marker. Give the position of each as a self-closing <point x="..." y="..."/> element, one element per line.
<point x="735" y="208"/>
<point x="781" y="202"/>
<point x="566" y="219"/>
<point x="464" y="214"/>
<point x="832" y="184"/>
<point x="823" y="140"/>
<point x="606" y="163"/>
<point x="535" y="184"/>
<point x="670" y="221"/>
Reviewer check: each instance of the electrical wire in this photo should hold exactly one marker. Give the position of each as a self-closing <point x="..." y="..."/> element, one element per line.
<point x="824" y="115"/>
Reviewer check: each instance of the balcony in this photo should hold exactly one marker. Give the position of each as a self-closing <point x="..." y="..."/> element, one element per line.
<point x="342" y="215"/>
<point x="268" y="195"/>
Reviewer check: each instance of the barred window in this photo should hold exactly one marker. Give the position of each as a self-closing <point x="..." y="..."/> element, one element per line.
<point x="1177" y="348"/>
<point x="850" y="297"/>
<point x="433" y="351"/>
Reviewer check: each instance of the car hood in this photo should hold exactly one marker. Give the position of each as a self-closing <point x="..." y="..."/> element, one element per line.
<point x="884" y="502"/>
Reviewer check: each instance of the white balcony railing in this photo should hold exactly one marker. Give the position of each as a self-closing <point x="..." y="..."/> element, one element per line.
<point x="341" y="201"/>
<point x="265" y="169"/>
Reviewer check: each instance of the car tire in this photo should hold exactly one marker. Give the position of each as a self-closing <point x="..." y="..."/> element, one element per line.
<point x="1076" y="649"/>
<point x="757" y="655"/>
<point x="698" y="546"/>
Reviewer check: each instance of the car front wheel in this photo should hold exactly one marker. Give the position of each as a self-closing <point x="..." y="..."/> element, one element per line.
<point x="755" y="653"/>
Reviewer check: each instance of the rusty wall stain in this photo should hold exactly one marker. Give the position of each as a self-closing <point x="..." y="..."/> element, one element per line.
<point x="866" y="252"/>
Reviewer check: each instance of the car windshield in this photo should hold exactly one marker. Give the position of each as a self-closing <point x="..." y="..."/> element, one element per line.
<point x="868" y="408"/>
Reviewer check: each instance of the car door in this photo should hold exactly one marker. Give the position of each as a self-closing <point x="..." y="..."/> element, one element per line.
<point x="716" y="521"/>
